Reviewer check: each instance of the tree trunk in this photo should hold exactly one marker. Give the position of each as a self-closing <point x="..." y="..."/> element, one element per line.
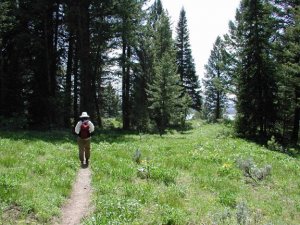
<point x="218" y="106"/>
<point x="86" y="92"/>
<point x="2" y="83"/>
<point x="75" y="72"/>
<point x="124" y="87"/>
<point x="51" y="26"/>
<point x="127" y="94"/>
<point x="96" y="97"/>
<point x="295" y="134"/>
<point x="68" y="97"/>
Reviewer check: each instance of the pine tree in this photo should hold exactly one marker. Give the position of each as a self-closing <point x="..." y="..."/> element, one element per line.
<point x="111" y="102"/>
<point x="185" y="62"/>
<point x="130" y="15"/>
<point x="7" y="91"/>
<point x="215" y="82"/>
<point x="165" y="93"/>
<point x="288" y="56"/>
<point x="86" y="76"/>
<point x="293" y="49"/>
<point x="103" y="32"/>
<point x="156" y="10"/>
<point x="145" y="51"/>
<point x="256" y="83"/>
<point x="7" y="18"/>
<point x="167" y="100"/>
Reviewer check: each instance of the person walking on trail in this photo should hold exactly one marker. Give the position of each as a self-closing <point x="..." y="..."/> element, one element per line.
<point x="83" y="129"/>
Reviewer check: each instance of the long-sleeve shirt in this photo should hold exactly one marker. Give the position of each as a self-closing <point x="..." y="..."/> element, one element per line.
<point x="78" y="125"/>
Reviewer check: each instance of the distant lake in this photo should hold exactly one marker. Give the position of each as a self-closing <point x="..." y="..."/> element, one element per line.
<point x="230" y="110"/>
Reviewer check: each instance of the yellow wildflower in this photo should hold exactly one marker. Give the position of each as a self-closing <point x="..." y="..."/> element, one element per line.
<point x="226" y="165"/>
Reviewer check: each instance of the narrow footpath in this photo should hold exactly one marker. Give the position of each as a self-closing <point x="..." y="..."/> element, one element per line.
<point x="79" y="204"/>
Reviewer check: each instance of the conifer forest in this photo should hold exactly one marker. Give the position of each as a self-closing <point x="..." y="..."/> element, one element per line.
<point x="121" y="59"/>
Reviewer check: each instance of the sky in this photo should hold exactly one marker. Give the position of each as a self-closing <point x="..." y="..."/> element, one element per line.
<point x="207" y="19"/>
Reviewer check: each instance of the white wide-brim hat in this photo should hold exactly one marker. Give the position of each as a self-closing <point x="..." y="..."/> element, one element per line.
<point x="84" y="115"/>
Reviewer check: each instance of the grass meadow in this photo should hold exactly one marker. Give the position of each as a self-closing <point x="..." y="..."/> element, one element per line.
<point x="37" y="171"/>
<point x="201" y="176"/>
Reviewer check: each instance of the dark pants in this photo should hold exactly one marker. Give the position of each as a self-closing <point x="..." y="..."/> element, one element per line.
<point x="84" y="148"/>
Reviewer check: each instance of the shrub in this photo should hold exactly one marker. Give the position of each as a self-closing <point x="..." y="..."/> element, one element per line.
<point x="273" y="145"/>
<point x="110" y="123"/>
<point x="242" y="213"/>
<point x="250" y="170"/>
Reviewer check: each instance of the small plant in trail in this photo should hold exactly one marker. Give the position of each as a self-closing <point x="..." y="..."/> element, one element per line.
<point x="251" y="170"/>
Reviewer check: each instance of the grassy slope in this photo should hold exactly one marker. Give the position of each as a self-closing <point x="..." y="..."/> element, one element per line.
<point x="193" y="179"/>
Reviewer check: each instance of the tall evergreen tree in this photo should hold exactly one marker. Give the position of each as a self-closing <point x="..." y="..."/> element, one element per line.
<point x="293" y="48"/>
<point x="145" y="51"/>
<point x="168" y="103"/>
<point x="130" y="15"/>
<point x="86" y="76"/>
<point x="104" y="21"/>
<point x="7" y="40"/>
<point x="185" y="62"/>
<point x="215" y="82"/>
<point x="71" y="28"/>
<point x="288" y="57"/>
<point x="256" y="81"/>
<point x="31" y="61"/>
<point x="156" y="10"/>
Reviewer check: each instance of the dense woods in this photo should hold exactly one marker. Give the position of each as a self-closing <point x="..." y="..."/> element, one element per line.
<point x="59" y="58"/>
<point x="119" y="59"/>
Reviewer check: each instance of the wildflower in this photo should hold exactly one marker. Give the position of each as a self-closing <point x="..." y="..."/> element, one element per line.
<point x="226" y="165"/>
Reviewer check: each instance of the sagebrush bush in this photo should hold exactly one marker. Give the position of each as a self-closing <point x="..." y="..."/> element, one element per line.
<point x="242" y="213"/>
<point x="251" y="170"/>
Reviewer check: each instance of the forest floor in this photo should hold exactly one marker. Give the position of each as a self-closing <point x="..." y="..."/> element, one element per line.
<point x="79" y="204"/>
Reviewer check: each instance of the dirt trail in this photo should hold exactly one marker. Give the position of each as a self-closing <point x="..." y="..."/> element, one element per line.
<point x="79" y="204"/>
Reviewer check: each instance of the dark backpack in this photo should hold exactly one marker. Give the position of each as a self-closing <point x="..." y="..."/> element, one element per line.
<point x="84" y="130"/>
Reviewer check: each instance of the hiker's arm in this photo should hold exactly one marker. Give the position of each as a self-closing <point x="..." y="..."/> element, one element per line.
<point x="77" y="128"/>
<point x="91" y="127"/>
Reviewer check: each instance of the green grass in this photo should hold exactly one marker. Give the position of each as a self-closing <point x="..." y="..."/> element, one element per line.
<point x="36" y="174"/>
<point x="183" y="178"/>
<point x="191" y="178"/>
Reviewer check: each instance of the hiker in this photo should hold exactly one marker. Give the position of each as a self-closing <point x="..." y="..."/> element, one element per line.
<point x="83" y="129"/>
